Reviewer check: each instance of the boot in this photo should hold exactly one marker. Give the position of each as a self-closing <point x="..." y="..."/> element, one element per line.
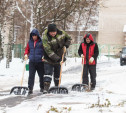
<point x="92" y="86"/>
<point x="56" y="81"/>
<point x="30" y="92"/>
<point x="46" y="87"/>
<point x="41" y="90"/>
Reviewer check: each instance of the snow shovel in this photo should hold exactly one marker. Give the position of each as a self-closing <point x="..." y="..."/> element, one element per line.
<point x="20" y="90"/>
<point x="80" y="87"/>
<point x="58" y="89"/>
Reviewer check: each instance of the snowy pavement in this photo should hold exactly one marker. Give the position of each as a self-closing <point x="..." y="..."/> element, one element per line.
<point x="109" y="95"/>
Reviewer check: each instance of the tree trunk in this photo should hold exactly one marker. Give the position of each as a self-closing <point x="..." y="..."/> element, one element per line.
<point x="9" y="49"/>
<point x="1" y="49"/>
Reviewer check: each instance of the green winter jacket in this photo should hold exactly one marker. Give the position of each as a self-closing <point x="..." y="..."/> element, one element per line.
<point x="53" y="46"/>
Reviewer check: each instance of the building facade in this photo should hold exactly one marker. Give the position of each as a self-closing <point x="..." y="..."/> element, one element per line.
<point x="112" y="18"/>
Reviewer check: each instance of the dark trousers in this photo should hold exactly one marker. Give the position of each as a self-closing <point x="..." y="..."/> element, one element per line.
<point x="33" y="67"/>
<point x="50" y="70"/>
<point x="92" y="70"/>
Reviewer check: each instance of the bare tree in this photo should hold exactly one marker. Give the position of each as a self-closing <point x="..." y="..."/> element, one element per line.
<point x="9" y="49"/>
<point x="48" y="11"/>
<point x="22" y="16"/>
<point x="1" y="49"/>
<point x="6" y="23"/>
<point x="43" y="12"/>
<point x="84" y="18"/>
<point x="2" y="9"/>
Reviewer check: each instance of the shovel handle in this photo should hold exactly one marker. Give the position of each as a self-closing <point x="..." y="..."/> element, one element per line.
<point x="82" y="70"/>
<point x="23" y="73"/>
<point x="64" y="50"/>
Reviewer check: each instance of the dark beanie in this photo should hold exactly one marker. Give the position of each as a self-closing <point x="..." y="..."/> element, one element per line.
<point x="52" y="28"/>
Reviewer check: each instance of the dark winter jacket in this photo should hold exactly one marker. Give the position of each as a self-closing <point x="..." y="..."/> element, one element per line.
<point x="53" y="46"/>
<point x="89" y="50"/>
<point x="35" y="52"/>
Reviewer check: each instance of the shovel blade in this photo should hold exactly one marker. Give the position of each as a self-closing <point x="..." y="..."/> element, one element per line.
<point x="58" y="90"/>
<point x="19" y="90"/>
<point x="80" y="87"/>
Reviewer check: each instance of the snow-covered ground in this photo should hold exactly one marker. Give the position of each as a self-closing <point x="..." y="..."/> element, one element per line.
<point x="109" y="95"/>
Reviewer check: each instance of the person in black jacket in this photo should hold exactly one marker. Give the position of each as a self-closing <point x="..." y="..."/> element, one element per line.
<point x="89" y="51"/>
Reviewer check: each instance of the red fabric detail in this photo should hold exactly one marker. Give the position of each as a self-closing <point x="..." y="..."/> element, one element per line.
<point x="91" y="52"/>
<point x="35" y="43"/>
<point x="27" y="49"/>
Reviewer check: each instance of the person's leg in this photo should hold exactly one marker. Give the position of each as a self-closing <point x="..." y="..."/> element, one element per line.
<point x="92" y="70"/>
<point x="40" y="70"/>
<point x="85" y="74"/>
<point x="56" y="74"/>
<point x="31" y="78"/>
<point x="48" y="71"/>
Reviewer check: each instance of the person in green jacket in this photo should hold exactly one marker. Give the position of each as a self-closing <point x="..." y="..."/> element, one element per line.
<point x="54" y="40"/>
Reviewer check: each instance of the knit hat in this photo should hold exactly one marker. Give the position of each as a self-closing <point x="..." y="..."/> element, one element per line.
<point x="52" y="28"/>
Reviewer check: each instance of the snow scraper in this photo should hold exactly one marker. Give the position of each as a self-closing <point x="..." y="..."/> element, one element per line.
<point x="20" y="90"/>
<point x="58" y="89"/>
<point x="80" y="87"/>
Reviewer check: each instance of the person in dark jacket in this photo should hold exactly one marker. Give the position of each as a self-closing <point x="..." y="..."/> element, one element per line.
<point x="34" y="50"/>
<point x="54" y="40"/>
<point x="89" y="51"/>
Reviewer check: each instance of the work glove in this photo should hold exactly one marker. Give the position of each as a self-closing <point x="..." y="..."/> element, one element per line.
<point x="91" y="60"/>
<point x="43" y="59"/>
<point x="82" y="56"/>
<point x="61" y="62"/>
<point x="26" y="57"/>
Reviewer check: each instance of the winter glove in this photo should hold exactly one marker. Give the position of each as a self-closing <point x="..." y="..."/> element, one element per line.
<point x="26" y="57"/>
<point x="43" y="59"/>
<point x="82" y="55"/>
<point x="91" y="60"/>
<point x="61" y="62"/>
<point x="55" y="58"/>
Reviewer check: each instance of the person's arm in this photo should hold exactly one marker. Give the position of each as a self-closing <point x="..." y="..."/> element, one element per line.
<point x="80" y="51"/>
<point x="67" y="40"/>
<point x="27" y="50"/>
<point x="96" y="51"/>
<point x="48" y="49"/>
